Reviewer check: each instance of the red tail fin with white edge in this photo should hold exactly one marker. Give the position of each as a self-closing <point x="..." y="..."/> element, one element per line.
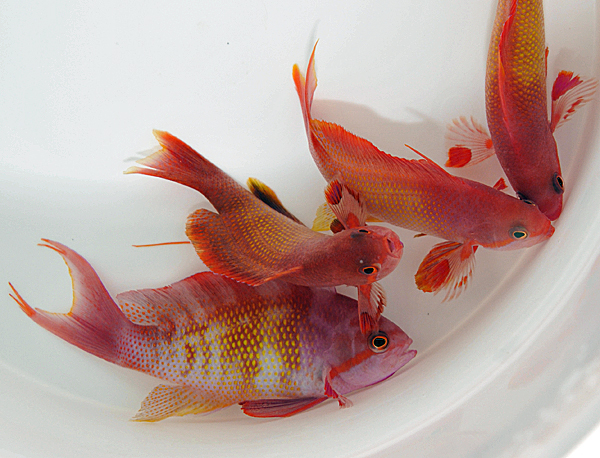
<point x="95" y="322"/>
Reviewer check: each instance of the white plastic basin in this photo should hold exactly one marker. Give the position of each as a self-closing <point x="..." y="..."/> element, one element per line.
<point x="510" y="369"/>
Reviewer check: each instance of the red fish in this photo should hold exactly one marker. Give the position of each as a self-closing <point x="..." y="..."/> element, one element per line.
<point x="516" y="106"/>
<point x="251" y="242"/>
<point x="276" y="349"/>
<point x="421" y="196"/>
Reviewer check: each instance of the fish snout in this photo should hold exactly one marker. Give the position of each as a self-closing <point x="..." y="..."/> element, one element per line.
<point x="393" y="245"/>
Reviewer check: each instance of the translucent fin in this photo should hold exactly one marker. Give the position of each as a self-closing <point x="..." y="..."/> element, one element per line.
<point x="371" y="302"/>
<point x="95" y="323"/>
<point x="346" y="204"/>
<point x="448" y="266"/>
<point x="569" y="93"/>
<point x="330" y="392"/>
<point x="268" y="196"/>
<point x="279" y="407"/>
<point x="324" y="218"/>
<point x="166" y="400"/>
<point x="470" y="143"/>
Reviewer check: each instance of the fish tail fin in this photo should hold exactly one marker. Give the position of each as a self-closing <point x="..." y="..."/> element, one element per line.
<point x="178" y="162"/>
<point x="94" y="322"/>
<point x="470" y="143"/>
<point x="305" y="87"/>
<point x="448" y="266"/>
<point x="569" y="93"/>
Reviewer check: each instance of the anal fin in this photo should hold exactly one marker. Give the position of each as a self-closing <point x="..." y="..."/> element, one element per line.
<point x="346" y="204"/>
<point x="166" y="400"/>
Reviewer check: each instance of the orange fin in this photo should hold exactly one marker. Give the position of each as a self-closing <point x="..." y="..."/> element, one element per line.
<point x="420" y="234"/>
<point x="305" y="87"/>
<point x="346" y="204"/>
<point x="330" y="392"/>
<point x="187" y="242"/>
<point x="167" y="400"/>
<point x="448" y="266"/>
<point x="470" y="142"/>
<point x="569" y="93"/>
<point x="500" y="185"/>
<point x="268" y="196"/>
<point x="371" y="302"/>
<point x="265" y="408"/>
<point x="217" y="248"/>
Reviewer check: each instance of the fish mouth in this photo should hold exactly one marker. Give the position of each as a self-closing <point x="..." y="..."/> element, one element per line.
<point x="394" y="246"/>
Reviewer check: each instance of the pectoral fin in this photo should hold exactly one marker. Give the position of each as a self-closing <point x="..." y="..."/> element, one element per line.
<point x="470" y="142"/>
<point x="448" y="266"/>
<point x="569" y="93"/>
<point x="166" y="400"/>
<point x="371" y="302"/>
<point x="279" y="407"/>
<point x="347" y="205"/>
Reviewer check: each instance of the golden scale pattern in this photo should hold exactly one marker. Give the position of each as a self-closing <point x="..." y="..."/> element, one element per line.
<point x="233" y="356"/>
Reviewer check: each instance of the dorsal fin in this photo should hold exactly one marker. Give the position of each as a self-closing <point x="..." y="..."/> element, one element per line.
<point x="268" y="196"/>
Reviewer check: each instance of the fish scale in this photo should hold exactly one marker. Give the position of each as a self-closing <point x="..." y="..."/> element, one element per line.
<point x="277" y="348"/>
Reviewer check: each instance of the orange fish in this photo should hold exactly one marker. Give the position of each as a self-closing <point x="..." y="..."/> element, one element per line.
<point x="421" y="196"/>
<point x="251" y="242"/>
<point x="516" y="106"/>
<point x="276" y="349"/>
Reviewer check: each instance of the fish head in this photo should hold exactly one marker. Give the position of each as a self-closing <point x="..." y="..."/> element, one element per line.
<point x="549" y="196"/>
<point x="357" y="361"/>
<point x="367" y="254"/>
<point x="524" y="225"/>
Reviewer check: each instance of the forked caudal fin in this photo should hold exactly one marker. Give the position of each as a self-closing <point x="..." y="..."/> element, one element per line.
<point x="95" y="322"/>
<point x="448" y="266"/>
<point x="178" y="162"/>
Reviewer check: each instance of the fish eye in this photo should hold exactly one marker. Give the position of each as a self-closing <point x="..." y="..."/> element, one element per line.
<point x="525" y="199"/>
<point x="518" y="233"/>
<point x="558" y="183"/>
<point x="378" y="342"/>
<point x="369" y="270"/>
<point x="364" y="231"/>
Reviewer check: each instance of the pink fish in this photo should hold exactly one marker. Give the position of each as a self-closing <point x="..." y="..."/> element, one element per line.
<point x="253" y="243"/>
<point x="421" y="196"/>
<point x="276" y="349"/>
<point x="516" y="106"/>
